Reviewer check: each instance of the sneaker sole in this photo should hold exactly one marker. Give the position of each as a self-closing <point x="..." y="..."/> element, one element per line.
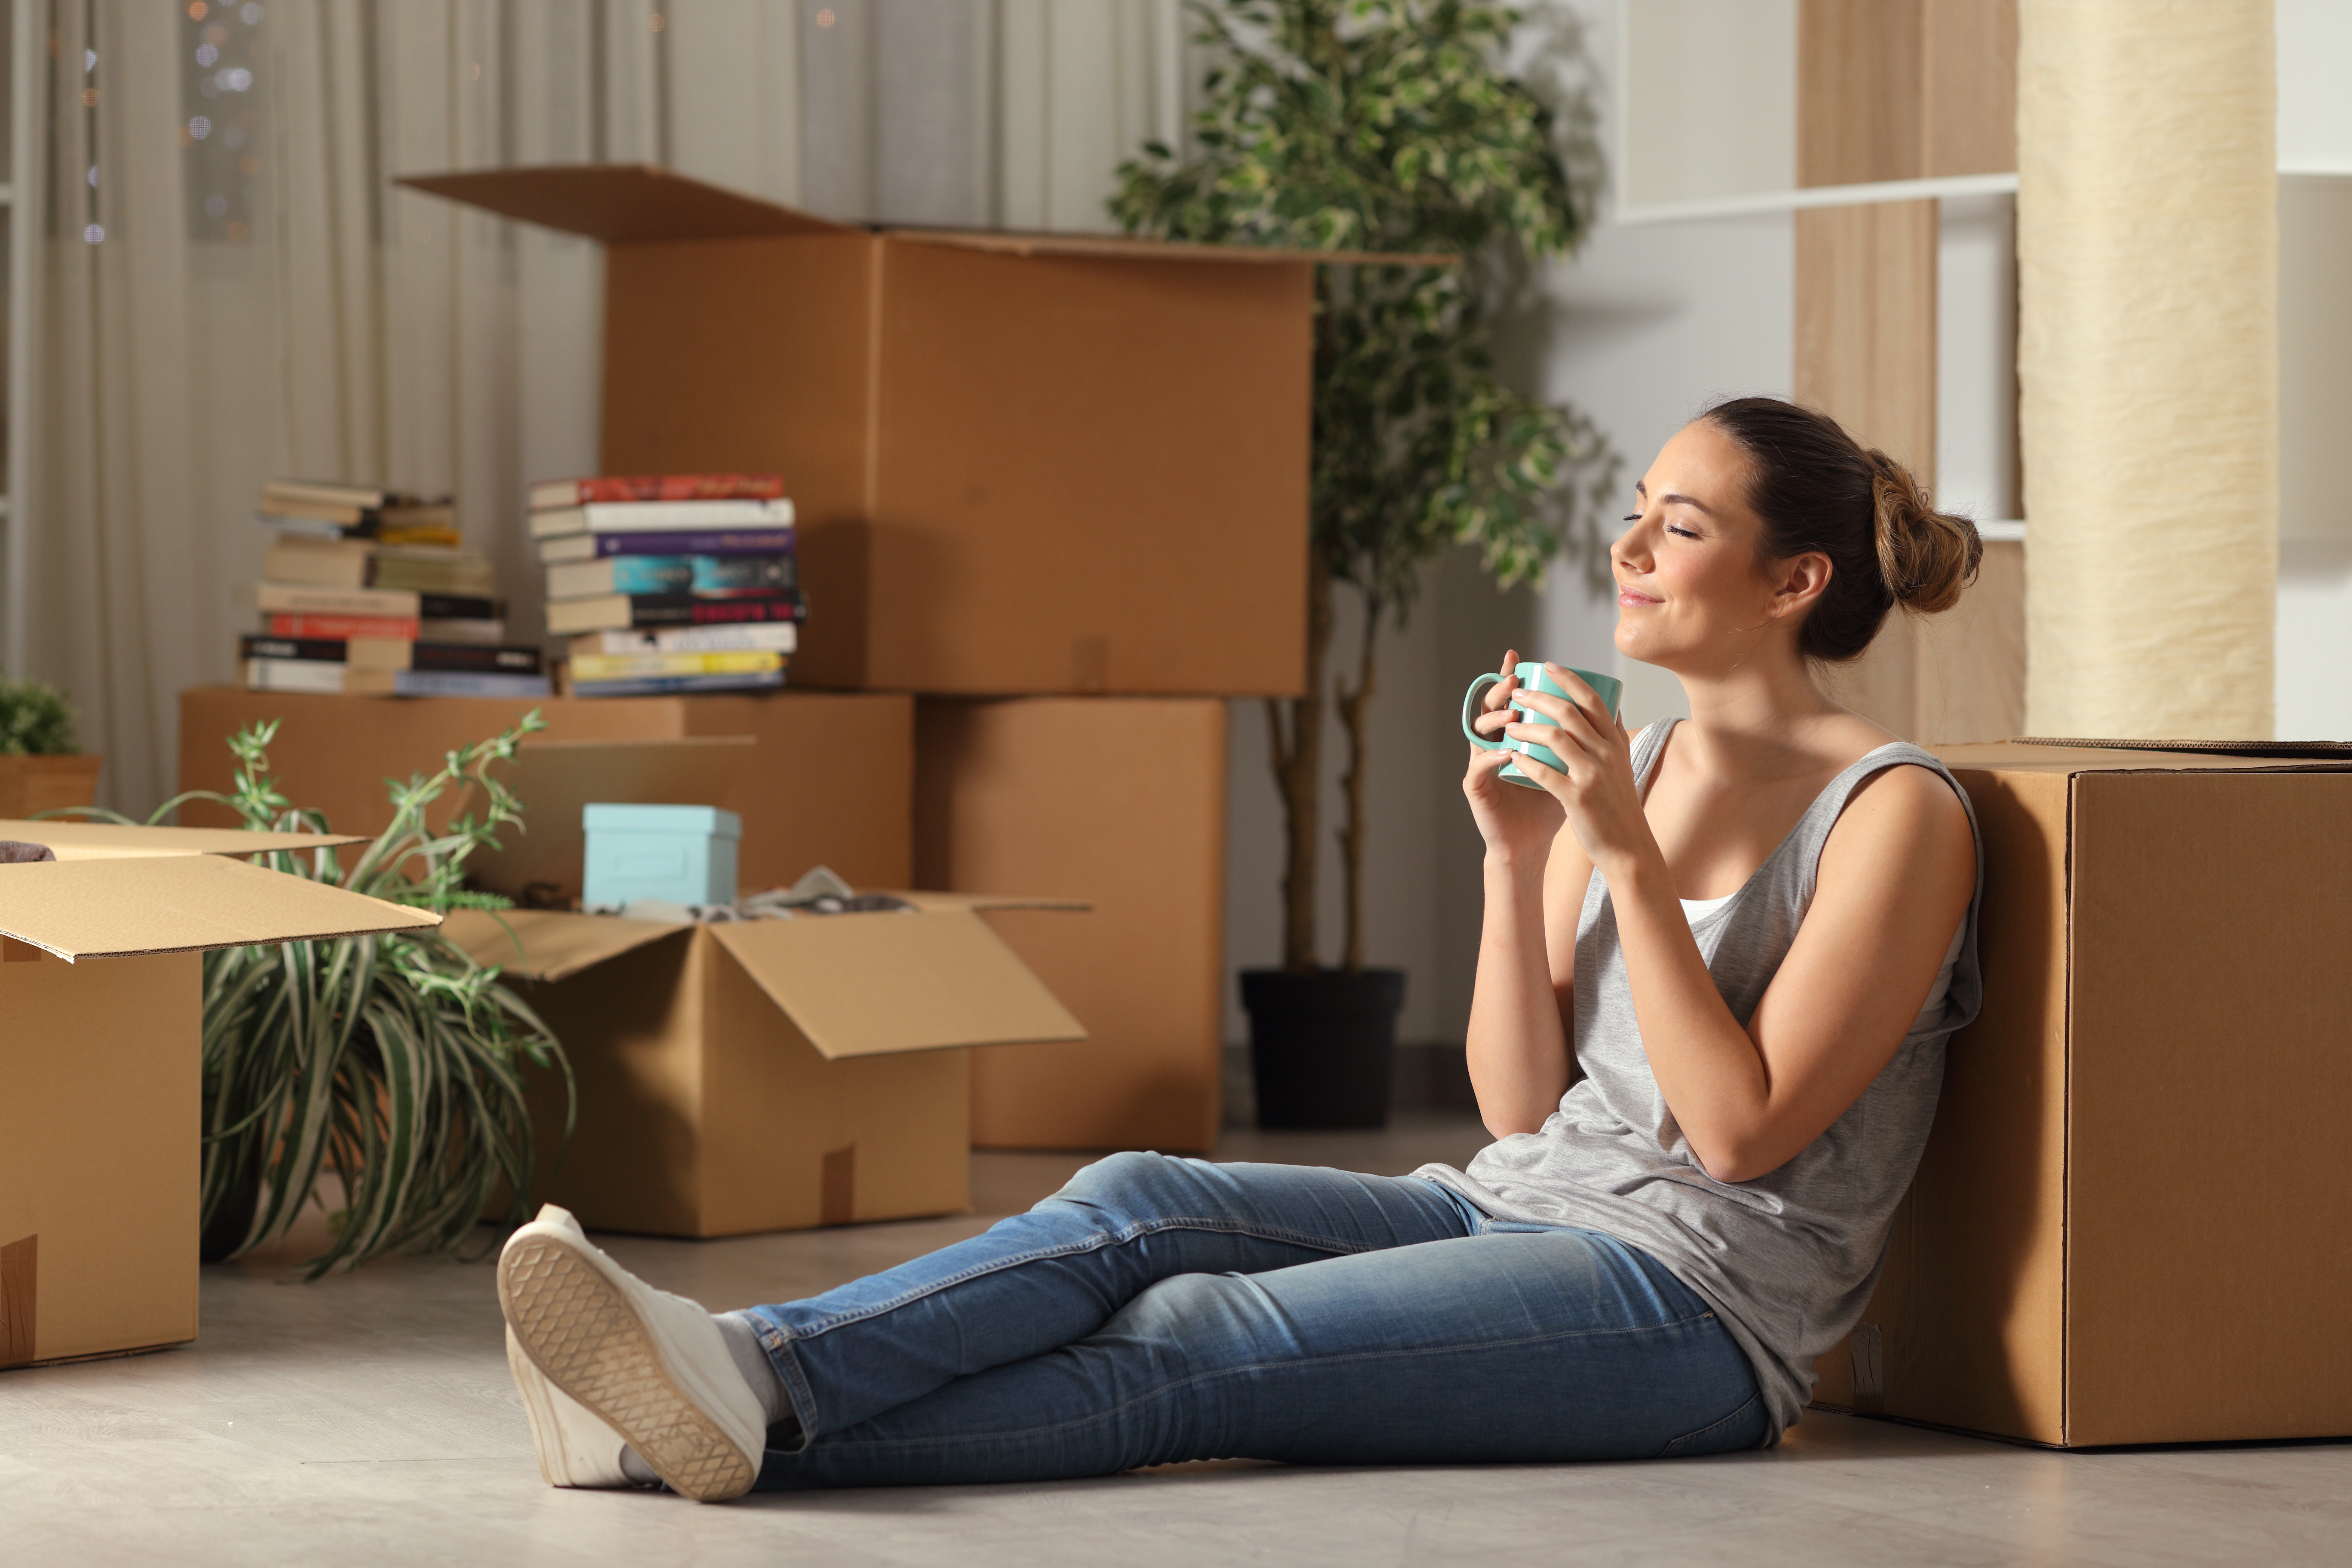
<point x="579" y="1328"/>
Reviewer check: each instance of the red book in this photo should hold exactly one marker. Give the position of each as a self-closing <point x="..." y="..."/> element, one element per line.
<point x="342" y="628"/>
<point x="549" y="494"/>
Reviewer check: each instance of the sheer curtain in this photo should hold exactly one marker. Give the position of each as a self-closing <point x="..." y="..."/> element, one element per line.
<point x="228" y="286"/>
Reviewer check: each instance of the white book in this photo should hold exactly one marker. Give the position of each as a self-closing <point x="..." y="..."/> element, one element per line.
<point x="660" y="517"/>
<point x="317" y="676"/>
<point x="296" y="599"/>
<point x="770" y="636"/>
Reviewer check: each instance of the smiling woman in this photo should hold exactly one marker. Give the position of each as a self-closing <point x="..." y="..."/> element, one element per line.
<point x="1720" y="959"/>
<point x="1714" y="986"/>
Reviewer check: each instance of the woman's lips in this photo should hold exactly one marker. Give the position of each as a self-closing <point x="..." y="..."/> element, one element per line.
<point x="1632" y="600"/>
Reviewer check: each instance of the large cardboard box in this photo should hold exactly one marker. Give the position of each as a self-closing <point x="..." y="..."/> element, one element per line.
<point x="2130" y="1223"/>
<point x="1120" y="802"/>
<point x="766" y="1075"/>
<point x="828" y="782"/>
<point x="1021" y="463"/>
<point x="100" y="1066"/>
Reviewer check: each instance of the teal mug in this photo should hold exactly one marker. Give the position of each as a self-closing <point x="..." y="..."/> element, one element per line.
<point x="1531" y="678"/>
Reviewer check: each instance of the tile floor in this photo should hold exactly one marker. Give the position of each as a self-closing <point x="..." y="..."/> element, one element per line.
<point x="370" y="1420"/>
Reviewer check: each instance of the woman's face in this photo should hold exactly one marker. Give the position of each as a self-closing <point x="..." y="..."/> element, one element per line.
<point x="1690" y="594"/>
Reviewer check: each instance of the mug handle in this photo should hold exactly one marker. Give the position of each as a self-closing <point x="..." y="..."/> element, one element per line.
<point x="1470" y="710"/>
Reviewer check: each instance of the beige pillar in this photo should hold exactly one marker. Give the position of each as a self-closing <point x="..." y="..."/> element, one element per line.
<point x="2148" y="364"/>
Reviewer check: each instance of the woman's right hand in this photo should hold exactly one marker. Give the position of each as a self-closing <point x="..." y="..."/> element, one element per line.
<point x="1517" y="822"/>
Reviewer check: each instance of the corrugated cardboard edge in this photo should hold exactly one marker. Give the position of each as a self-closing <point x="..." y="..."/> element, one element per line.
<point x="980" y="903"/>
<point x="555" y="944"/>
<point x="124" y="907"/>
<point x="2337" y="749"/>
<point x="98" y="840"/>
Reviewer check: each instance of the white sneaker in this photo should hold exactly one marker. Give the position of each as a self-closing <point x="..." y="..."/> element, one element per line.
<point x="575" y="1450"/>
<point x="648" y="1366"/>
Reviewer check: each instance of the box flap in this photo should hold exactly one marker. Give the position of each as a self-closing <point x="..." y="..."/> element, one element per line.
<point x="557" y="780"/>
<point x="623" y="202"/>
<point x="620" y="202"/>
<point x="117" y="906"/>
<point x="1130" y="247"/>
<point x="554" y="944"/>
<point x="859" y="985"/>
<point x="104" y="840"/>
<point x="938" y="902"/>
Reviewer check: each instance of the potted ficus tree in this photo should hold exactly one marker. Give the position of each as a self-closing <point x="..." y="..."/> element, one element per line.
<point x="41" y="768"/>
<point x="1396" y="126"/>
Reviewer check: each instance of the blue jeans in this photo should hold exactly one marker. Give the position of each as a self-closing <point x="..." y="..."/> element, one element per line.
<point x="1158" y="1309"/>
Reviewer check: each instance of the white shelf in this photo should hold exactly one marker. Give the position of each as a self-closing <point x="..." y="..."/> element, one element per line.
<point x="1752" y="203"/>
<point x="2006" y="530"/>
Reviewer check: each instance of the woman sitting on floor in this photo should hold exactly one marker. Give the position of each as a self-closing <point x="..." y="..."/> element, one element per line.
<point x="1720" y="963"/>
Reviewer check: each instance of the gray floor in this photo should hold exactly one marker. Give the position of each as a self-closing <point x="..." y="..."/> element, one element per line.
<point x="370" y="1420"/>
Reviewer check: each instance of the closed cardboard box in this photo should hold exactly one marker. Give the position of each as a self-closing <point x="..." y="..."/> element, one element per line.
<point x="101" y="985"/>
<point x="829" y="780"/>
<point x="1020" y="463"/>
<point x="2130" y="1223"/>
<point x="765" y="1075"/>
<point x="1119" y="801"/>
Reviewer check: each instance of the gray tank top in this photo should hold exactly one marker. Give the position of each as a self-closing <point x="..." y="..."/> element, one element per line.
<point x="1788" y="1260"/>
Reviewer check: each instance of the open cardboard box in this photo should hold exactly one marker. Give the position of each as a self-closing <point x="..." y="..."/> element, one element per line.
<point x="767" y="1075"/>
<point x="1021" y="463"/>
<point x="100" y="1065"/>
<point x="2131" y="1222"/>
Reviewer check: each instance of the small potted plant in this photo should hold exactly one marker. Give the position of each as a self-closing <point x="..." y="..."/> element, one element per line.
<point x="393" y="1063"/>
<point x="1382" y="125"/>
<point x="40" y="768"/>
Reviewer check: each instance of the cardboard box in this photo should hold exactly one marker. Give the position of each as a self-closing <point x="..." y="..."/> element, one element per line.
<point x="766" y="1075"/>
<point x="829" y="779"/>
<point x="1021" y="463"/>
<point x="1120" y="802"/>
<point x="2130" y="1223"/>
<point x="101" y="1062"/>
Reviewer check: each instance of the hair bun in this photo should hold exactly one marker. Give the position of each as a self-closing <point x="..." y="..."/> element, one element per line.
<point x="1926" y="556"/>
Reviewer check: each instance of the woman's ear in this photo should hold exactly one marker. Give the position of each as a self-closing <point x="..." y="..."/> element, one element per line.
<point x="1802" y="579"/>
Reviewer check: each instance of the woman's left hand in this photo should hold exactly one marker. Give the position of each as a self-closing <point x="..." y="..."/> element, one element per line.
<point x="1596" y="786"/>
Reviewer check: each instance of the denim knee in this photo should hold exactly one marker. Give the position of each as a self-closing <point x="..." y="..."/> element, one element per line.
<point x="1125" y="1185"/>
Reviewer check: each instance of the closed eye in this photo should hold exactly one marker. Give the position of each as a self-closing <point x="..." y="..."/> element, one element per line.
<point x="1686" y="532"/>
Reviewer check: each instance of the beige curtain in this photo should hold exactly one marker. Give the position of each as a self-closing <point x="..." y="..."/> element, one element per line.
<point x="334" y="326"/>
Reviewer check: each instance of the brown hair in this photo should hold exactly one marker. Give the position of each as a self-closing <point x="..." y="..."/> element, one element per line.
<point x="1815" y="488"/>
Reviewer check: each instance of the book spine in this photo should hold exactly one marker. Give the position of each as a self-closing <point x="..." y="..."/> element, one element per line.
<point x="680" y="516"/>
<point x="689" y="610"/>
<point x="674" y="685"/>
<point x="697" y="574"/>
<point x="317" y="650"/>
<point x="339" y="628"/>
<point x="467" y="683"/>
<point x="781" y="636"/>
<point x="479" y="657"/>
<point x="716" y="542"/>
<point x="646" y="666"/>
<point x="655" y="486"/>
<point x="458" y="608"/>
<point x="391" y="604"/>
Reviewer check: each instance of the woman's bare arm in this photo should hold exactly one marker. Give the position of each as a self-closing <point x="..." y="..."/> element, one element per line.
<point x="1894" y="880"/>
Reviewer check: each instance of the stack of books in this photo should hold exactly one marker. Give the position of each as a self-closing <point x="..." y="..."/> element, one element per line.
<point x="669" y="583"/>
<point x="369" y="590"/>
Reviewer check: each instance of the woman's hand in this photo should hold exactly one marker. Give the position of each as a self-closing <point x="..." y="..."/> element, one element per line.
<point x="1517" y="822"/>
<point x="1595" y="786"/>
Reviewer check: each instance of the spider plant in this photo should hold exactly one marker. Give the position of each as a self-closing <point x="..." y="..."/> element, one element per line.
<point x="394" y="1061"/>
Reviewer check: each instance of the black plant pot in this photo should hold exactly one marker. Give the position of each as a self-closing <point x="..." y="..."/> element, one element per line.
<point x="1323" y="1045"/>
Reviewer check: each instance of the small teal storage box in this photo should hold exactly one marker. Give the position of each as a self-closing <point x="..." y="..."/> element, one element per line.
<point x="684" y="853"/>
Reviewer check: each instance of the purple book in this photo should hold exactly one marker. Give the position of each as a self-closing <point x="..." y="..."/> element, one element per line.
<point x="713" y="542"/>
